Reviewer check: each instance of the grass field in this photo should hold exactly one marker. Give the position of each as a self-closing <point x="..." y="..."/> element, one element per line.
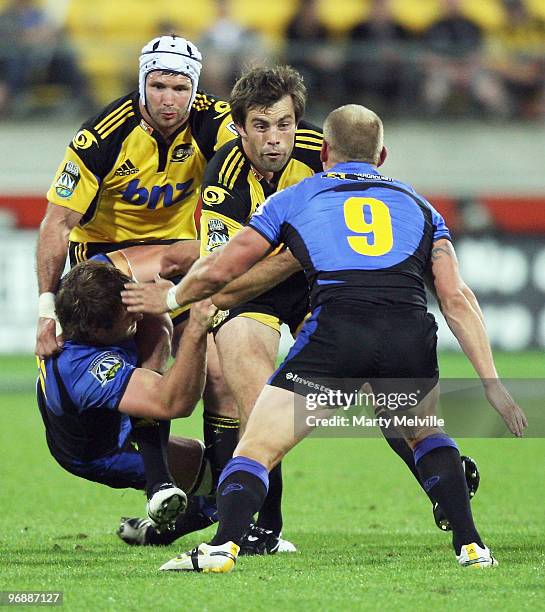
<point x="363" y="527"/>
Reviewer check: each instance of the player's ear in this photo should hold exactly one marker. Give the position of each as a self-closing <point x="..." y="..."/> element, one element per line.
<point x="240" y="129"/>
<point x="324" y="153"/>
<point x="383" y="156"/>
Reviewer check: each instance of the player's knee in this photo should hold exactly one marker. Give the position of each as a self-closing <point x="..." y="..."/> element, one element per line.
<point x="217" y="399"/>
<point x="259" y="450"/>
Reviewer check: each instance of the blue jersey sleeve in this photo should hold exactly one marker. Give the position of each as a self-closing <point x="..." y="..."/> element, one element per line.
<point x="269" y="217"/>
<point x="440" y="229"/>
<point x="101" y="381"/>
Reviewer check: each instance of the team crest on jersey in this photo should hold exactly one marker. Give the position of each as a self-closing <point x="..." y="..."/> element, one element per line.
<point x="182" y="152"/>
<point x="106" y="366"/>
<point x="218" y="234"/>
<point x="214" y="195"/>
<point x="68" y="180"/>
<point x="84" y="139"/>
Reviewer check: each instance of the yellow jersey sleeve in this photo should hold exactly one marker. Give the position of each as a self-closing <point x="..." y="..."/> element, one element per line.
<point x="74" y="185"/>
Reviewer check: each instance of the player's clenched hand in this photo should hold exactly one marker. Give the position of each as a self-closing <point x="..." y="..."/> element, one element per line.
<point x="203" y="313"/>
<point x="147" y="297"/>
<point x="47" y="342"/>
<point x="501" y="400"/>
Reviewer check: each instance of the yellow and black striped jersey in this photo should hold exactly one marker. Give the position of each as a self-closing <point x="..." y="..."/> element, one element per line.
<point x="232" y="189"/>
<point x="129" y="184"/>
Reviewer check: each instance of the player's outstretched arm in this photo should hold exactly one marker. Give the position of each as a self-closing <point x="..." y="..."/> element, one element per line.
<point x="207" y="276"/>
<point x="50" y="259"/>
<point x="175" y="394"/>
<point x="265" y="275"/>
<point x="464" y="317"/>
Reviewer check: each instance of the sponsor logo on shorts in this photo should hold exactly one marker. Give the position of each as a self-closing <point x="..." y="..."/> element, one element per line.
<point x="68" y="180"/>
<point x="231" y="488"/>
<point x="105" y="367"/>
<point x="219" y="317"/>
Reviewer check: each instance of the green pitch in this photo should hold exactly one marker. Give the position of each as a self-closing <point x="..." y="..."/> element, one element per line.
<point x="363" y="527"/>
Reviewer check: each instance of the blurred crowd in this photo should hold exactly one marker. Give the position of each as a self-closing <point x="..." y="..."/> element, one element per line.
<point x="454" y="66"/>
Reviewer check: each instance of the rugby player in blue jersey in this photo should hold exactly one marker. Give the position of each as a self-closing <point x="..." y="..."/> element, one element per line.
<point x="366" y="243"/>
<point x="88" y="392"/>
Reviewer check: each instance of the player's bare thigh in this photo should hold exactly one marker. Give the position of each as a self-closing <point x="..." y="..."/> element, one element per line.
<point x="216" y="396"/>
<point x="275" y="426"/>
<point x="247" y="350"/>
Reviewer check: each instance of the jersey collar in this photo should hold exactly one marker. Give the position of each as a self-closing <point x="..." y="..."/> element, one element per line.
<point x="355" y="167"/>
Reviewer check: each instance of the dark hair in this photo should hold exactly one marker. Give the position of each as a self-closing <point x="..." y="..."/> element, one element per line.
<point x="89" y="299"/>
<point x="262" y="87"/>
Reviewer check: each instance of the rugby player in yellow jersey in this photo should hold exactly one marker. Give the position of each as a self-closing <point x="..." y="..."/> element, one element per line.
<point x="132" y="175"/>
<point x="275" y="150"/>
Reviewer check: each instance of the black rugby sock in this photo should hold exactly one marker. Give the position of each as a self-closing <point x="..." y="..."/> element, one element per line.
<point x="443" y="478"/>
<point x="151" y="437"/>
<point x="221" y="439"/>
<point x="239" y="497"/>
<point x="270" y="515"/>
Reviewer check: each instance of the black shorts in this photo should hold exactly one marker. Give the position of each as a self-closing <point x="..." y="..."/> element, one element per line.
<point x="286" y="303"/>
<point x="343" y="345"/>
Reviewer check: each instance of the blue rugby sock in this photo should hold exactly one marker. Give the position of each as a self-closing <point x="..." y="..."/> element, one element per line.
<point x="241" y="491"/>
<point x="442" y="475"/>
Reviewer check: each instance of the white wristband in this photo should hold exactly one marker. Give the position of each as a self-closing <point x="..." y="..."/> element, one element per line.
<point x="172" y="303"/>
<point x="46" y="306"/>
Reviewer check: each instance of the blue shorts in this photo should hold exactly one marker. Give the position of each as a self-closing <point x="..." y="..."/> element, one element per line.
<point x="123" y="469"/>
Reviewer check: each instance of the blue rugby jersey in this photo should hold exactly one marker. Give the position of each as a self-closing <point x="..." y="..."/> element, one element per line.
<point x="358" y="235"/>
<point x="78" y="395"/>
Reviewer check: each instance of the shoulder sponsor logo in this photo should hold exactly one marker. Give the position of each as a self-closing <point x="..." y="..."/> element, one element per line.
<point x="232" y="128"/>
<point x="84" y="139"/>
<point x="214" y="195"/>
<point x="222" y="108"/>
<point x="68" y="180"/>
<point x="182" y="152"/>
<point x="218" y="234"/>
<point x="106" y="366"/>
<point x="126" y="169"/>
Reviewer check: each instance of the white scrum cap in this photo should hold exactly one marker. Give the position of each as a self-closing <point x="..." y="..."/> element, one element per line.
<point x="170" y="53"/>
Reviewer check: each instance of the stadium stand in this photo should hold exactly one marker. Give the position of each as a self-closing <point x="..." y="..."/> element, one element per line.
<point x="107" y="35"/>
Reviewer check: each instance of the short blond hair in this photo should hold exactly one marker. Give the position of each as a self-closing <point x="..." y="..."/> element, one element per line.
<point x="354" y="133"/>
